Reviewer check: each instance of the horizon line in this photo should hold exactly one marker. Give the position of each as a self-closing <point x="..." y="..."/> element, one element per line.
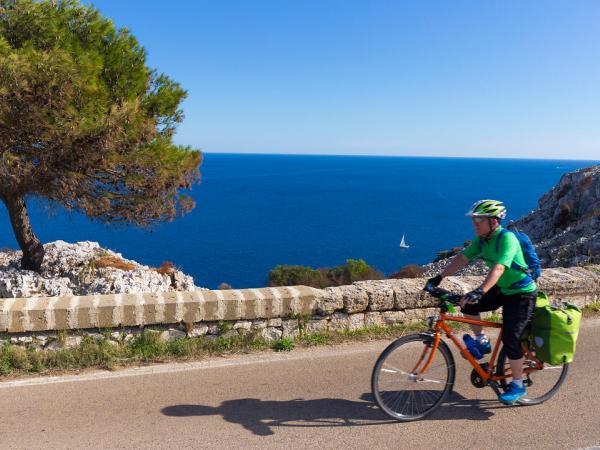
<point x="402" y="156"/>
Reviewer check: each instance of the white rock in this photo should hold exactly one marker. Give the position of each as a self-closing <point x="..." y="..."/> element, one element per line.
<point x="213" y="328"/>
<point x="275" y="322"/>
<point x="356" y="322"/>
<point x="271" y="334"/>
<point x="244" y="325"/>
<point x="73" y="341"/>
<point x="172" y="335"/>
<point x="290" y="328"/>
<point x="53" y="346"/>
<point x="198" y="330"/>
<point x="70" y="269"/>
<point x="259" y="324"/>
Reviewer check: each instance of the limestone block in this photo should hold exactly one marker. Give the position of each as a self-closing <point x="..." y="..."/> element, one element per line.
<point x="199" y="329"/>
<point x="213" y="328"/>
<point x="172" y="334"/>
<point x="374" y="319"/>
<point x="259" y="324"/>
<point x="316" y="326"/>
<point x="356" y="322"/>
<point x="275" y="322"/>
<point x="419" y="314"/>
<point x="408" y="294"/>
<point x="393" y="317"/>
<point x="339" y="321"/>
<point x="379" y="293"/>
<point x="355" y="299"/>
<point x="330" y="300"/>
<point x="271" y="334"/>
<point x="290" y="328"/>
<point x="244" y="325"/>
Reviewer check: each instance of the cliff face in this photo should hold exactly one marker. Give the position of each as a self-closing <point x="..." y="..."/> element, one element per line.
<point x="566" y="225"/>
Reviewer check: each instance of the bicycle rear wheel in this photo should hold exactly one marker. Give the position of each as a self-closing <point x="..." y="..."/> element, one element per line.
<point x="541" y="383"/>
<point x="400" y="387"/>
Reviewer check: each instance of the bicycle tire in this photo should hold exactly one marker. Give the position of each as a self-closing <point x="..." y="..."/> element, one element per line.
<point x="541" y="397"/>
<point x="379" y="395"/>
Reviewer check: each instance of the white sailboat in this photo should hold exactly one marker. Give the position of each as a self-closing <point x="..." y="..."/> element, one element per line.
<point x="403" y="244"/>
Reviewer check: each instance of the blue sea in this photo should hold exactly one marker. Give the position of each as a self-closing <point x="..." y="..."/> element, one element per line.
<point x="254" y="212"/>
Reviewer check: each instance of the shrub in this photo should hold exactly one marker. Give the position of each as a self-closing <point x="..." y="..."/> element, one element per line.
<point x="353" y="270"/>
<point x="285" y="275"/>
<point x="283" y="345"/>
<point x="224" y="286"/>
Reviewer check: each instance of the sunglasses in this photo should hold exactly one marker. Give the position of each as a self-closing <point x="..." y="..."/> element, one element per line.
<point x="479" y="219"/>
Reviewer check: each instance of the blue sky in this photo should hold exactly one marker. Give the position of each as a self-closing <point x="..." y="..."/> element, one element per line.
<point x="460" y="78"/>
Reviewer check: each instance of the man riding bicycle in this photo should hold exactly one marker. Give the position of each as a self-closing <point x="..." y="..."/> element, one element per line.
<point x="507" y="285"/>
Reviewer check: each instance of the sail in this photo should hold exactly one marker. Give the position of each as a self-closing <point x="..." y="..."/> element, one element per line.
<point x="403" y="243"/>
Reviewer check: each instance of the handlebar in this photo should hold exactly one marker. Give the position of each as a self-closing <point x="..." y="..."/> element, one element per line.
<point x="443" y="294"/>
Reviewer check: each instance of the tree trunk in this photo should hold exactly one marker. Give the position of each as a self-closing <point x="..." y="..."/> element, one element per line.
<point x="33" y="251"/>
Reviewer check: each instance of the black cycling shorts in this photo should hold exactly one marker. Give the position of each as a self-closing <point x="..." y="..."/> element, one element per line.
<point x="516" y="314"/>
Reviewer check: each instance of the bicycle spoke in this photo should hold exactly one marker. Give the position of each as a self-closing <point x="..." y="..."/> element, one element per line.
<point x="429" y="380"/>
<point x="395" y="370"/>
<point x="405" y="395"/>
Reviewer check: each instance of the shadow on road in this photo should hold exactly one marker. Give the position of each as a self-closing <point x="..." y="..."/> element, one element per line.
<point x="260" y="416"/>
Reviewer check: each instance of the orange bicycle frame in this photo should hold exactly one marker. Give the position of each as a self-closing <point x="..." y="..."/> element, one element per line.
<point x="485" y="375"/>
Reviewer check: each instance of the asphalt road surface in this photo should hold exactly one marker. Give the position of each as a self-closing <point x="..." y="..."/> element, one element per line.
<point x="318" y="398"/>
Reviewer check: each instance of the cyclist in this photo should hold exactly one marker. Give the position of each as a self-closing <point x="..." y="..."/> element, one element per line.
<point x="507" y="284"/>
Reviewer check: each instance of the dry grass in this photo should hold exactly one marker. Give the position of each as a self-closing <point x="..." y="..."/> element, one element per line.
<point x="114" y="262"/>
<point x="166" y="268"/>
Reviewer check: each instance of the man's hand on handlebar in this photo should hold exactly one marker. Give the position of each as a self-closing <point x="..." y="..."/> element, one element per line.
<point x="433" y="283"/>
<point x="472" y="298"/>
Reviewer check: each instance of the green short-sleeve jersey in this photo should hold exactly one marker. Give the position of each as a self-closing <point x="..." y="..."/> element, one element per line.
<point x="509" y="251"/>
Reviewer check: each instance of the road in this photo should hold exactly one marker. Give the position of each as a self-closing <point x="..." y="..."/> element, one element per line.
<point x="317" y="398"/>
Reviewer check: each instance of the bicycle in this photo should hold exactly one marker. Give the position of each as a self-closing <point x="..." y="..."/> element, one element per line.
<point x="415" y="374"/>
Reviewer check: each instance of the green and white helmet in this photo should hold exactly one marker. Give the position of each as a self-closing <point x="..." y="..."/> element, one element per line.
<point x="488" y="208"/>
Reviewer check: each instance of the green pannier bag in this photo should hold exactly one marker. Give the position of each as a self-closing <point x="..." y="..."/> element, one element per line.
<point x="554" y="330"/>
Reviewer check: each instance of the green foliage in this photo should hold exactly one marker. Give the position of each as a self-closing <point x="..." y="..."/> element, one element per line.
<point x="285" y="275"/>
<point x="283" y="345"/>
<point x="591" y="309"/>
<point x="148" y="345"/>
<point x="103" y="353"/>
<point x="224" y="327"/>
<point x="353" y="270"/>
<point x="84" y="123"/>
<point x="315" y="339"/>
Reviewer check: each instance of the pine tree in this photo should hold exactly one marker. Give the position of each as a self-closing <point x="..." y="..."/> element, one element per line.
<point x="84" y="123"/>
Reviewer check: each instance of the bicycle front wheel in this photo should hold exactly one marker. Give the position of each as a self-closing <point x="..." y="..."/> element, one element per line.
<point x="541" y="383"/>
<point x="408" y="381"/>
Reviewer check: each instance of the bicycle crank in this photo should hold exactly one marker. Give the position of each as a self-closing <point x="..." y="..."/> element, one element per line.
<point x="476" y="380"/>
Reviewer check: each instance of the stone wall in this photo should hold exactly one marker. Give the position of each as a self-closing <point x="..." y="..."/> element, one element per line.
<point x="271" y="312"/>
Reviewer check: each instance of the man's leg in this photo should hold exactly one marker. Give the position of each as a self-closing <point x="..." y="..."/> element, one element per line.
<point x="517" y="311"/>
<point x="489" y="302"/>
<point x="516" y="367"/>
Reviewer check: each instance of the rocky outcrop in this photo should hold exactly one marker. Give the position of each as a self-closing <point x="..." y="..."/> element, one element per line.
<point x="475" y="268"/>
<point x="85" y="268"/>
<point x="566" y="225"/>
